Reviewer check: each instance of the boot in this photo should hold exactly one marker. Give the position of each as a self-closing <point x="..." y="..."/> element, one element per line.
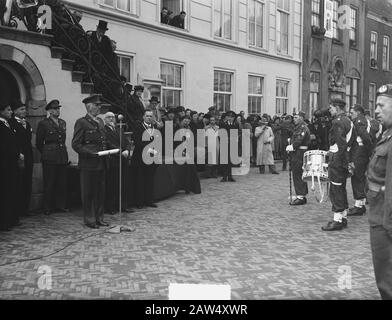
<point x="356" y="212"/>
<point x="262" y="169"/>
<point x="273" y="170"/>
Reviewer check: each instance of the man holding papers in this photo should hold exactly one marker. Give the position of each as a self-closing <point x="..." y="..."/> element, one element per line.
<point x="89" y="141"/>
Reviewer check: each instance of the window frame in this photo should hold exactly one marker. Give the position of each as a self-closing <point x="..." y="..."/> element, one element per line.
<point x="354" y="29"/>
<point x="279" y="12"/>
<point x="336" y="32"/>
<point x="257" y="95"/>
<point x="312" y="93"/>
<point x="222" y="15"/>
<point x="350" y="102"/>
<point x="131" y="57"/>
<point x="386" y="53"/>
<point x="115" y="7"/>
<point x="228" y="93"/>
<point x="264" y="25"/>
<point x="316" y="14"/>
<point x="288" y="82"/>
<point x="374" y="55"/>
<point x="167" y="88"/>
<point x="184" y="7"/>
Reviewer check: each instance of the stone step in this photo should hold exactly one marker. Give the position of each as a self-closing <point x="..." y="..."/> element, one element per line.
<point x="67" y="64"/>
<point x="77" y="76"/>
<point x="87" y="87"/>
<point x="57" y="52"/>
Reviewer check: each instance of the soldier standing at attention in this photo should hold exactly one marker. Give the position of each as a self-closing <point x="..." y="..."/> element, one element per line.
<point x="89" y="139"/>
<point x="299" y="145"/>
<point x="361" y="151"/>
<point x="380" y="196"/>
<point x="340" y="140"/>
<point x="50" y="141"/>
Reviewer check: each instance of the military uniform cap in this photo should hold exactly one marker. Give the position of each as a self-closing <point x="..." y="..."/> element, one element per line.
<point x="301" y="114"/>
<point x="54" y="104"/>
<point x="95" y="98"/>
<point x="17" y="104"/>
<point x="385" y="90"/>
<point x="338" y="102"/>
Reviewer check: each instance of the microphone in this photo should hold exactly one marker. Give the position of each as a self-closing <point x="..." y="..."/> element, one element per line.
<point x="120" y="117"/>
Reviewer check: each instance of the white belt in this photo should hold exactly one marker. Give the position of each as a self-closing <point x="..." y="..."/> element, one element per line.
<point x="303" y="148"/>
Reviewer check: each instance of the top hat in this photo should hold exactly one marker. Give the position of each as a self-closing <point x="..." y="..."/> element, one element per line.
<point x="154" y="99"/>
<point x="54" y="104"/>
<point x="103" y="25"/>
<point x="138" y="88"/>
<point x="95" y="98"/>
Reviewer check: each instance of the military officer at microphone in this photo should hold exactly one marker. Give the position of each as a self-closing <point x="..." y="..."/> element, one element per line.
<point x="89" y="139"/>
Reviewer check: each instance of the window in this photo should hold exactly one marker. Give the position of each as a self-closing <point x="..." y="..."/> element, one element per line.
<point x="283" y="26"/>
<point x="351" y="91"/>
<point x="255" y="94"/>
<point x="385" y="53"/>
<point x="172" y="86"/>
<point x="282" y="96"/>
<point x="314" y="99"/>
<point x="174" y="8"/>
<point x="223" y="90"/>
<point x="122" y="5"/>
<point x="316" y="13"/>
<point x="256" y="23"/>
<point x="372" y="98"/>
<point x="223" y="19"/>
<point x="125" y="64"/>
<point x="373" y="49"/>
<point x="336" y="33"/>
<point x="353" y="26"/>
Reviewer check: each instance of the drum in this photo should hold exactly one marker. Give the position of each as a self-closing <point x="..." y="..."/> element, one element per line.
<point x="315" y="165"/>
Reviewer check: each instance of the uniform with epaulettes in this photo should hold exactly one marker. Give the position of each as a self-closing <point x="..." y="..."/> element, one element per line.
<point x="379" y="178"/>
<point x="361" y="151"/>
<point x="89" y="139"/>
<point x="300" y="142"/>
<point x="50" y="141"/>
<point x="341" y="138"/>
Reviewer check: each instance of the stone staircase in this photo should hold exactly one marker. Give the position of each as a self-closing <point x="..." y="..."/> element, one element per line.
<point x="68" y="65"/>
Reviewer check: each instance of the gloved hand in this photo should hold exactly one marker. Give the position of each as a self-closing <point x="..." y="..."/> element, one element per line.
<point x="351" y="168"/>
<point x="290" y="148"/>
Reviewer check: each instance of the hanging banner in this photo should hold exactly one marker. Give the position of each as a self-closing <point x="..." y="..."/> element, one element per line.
<point x="328" y="18"/>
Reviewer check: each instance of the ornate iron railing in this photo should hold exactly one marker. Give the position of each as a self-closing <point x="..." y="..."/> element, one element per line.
<point x="98" y="69"/>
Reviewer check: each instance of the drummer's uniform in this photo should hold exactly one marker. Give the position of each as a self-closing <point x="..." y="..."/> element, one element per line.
<point x="340" y="139"/>
<point x="300" y="142"/>
<point x="361" y="152"/>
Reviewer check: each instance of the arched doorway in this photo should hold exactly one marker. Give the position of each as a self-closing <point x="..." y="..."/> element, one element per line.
<point x="9" y="89"/>
<point x="21" y="79"/>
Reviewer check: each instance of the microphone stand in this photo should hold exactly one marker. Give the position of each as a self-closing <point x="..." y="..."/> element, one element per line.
<point x="121" y="228"/>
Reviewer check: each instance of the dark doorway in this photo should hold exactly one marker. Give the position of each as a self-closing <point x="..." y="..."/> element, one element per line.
<point x="9" y="90"/>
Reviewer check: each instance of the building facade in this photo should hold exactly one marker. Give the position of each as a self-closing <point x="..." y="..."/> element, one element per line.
<point x="333" y="56"/>
<point x="377" y="55"/>
<point x="234" y="54"/>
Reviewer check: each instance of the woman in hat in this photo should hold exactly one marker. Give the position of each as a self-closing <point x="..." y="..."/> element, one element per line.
<point x="265" y="139"/>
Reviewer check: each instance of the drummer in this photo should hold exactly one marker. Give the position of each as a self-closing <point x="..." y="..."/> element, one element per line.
<point x="340" y="139"/>
<point x="299" y="145"/>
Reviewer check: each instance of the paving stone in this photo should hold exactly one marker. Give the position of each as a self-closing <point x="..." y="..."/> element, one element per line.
<point x="243" y="234"/>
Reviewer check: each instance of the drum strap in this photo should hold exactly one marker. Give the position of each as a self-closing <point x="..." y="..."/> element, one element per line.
<point x="349" y="135"/>
<point x="369" y="126"/>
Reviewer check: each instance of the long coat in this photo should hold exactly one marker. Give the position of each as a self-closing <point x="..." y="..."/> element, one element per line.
<point x="212" y="144"/>
<point x="265" y="139"/>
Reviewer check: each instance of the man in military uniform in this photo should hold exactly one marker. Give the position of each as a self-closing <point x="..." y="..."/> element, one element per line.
<point x="340" y="140"/>
<point x="376" y="128"/>
<point x="380" y="196"/>
<point x="50" y="141"/>
<point x="361" y="152"/>
<point x="299" y="145"/>
<point x="24" y="133"/>
<point x="89" y="139"/>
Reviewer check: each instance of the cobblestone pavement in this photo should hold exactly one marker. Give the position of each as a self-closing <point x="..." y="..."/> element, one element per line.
<point x="243" y="234"/>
